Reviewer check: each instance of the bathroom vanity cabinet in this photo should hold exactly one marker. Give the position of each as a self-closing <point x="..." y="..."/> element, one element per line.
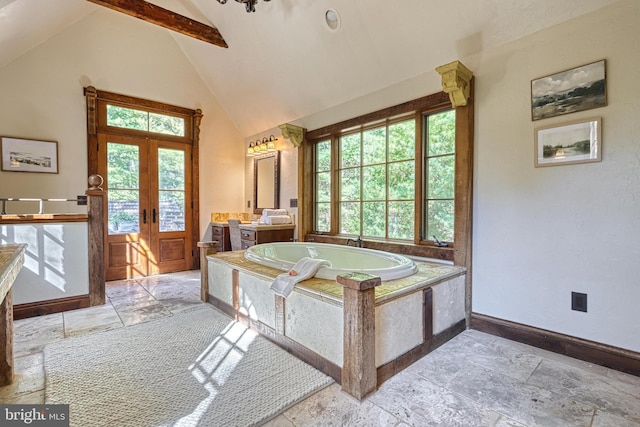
<point x="250" y="234"/>
<point x="220" y="233"/>
<point x="255" y="234"/>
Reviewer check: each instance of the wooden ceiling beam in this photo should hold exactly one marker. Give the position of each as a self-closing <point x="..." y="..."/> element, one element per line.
<point x="165" y="18"/>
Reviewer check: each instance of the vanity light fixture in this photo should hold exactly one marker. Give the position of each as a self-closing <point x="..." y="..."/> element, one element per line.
<point x="271" y="143"/>
<point x="250" y="5"/>
<point x="266" y="145"/>
<point x="251" y="150"/>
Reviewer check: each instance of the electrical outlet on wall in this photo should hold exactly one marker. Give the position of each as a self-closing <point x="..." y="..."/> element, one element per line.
<point x="293" y="203"/>
<point x="248" y="203"/>
<point x="578" y="301"/>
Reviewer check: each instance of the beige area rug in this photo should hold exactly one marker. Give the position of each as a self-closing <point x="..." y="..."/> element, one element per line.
<point x="197" y="368"/>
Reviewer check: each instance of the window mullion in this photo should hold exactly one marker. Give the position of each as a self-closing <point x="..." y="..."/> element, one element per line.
<point x="335" y="185"/>
<point x="361" y="183"/>
<point x="420" y="171"/>
<point x="386" y="186"/>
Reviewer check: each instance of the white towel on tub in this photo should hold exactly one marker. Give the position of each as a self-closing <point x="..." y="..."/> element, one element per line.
<point x="304" y="269"/>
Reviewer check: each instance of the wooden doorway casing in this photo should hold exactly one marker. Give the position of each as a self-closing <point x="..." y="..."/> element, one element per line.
<point x="172" y="252"/>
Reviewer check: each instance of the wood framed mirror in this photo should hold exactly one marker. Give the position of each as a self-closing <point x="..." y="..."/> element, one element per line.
<point x="266" y="182"/>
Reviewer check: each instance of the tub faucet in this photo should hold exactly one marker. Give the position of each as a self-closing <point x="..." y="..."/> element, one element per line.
<point x="358" y="242"/>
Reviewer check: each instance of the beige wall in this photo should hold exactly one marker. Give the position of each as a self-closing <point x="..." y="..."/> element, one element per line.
<point x="288" y="172"/>
<point x="541" y="233"/>
<point x="42" y="98"/>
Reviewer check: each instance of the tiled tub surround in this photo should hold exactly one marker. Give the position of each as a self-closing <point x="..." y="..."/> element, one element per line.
<point x="413" y="315"/>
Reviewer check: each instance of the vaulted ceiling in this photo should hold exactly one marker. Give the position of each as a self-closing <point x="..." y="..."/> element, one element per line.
<point x="284" y="63"/>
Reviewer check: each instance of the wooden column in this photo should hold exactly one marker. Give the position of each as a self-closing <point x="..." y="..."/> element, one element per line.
<point x="359" y="362"/>
<point x="6" y="339"/>
<point x="195" y="188"/>
<point x="11" y="261"/>
<point x="95" y="210"/>
<point x="206" y="248"/>
<point x="464" y="193"/>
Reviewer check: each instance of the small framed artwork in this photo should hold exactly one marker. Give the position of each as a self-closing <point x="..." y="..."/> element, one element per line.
<point x="574" y="142"/>
<point x="29" y="155"/>
<point x="578" y="89"/>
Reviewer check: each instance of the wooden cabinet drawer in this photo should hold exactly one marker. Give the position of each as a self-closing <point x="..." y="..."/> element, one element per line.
<point x="217" y="231"/>
<point x="221" y="234"/>
<point x="248" y="235"/>
<point x="247" y="243"/>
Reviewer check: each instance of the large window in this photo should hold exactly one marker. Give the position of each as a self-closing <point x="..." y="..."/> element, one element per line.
<point x="377" y="181"/>
<point x="323" y="186"/>
<point x="439" y="176"/>
<point x="373" y="184"/>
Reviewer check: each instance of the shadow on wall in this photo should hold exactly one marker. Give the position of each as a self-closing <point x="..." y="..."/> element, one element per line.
<point x="56" y="260"/>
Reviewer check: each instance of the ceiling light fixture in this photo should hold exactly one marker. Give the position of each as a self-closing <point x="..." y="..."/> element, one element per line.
<point x="250" y="5"/>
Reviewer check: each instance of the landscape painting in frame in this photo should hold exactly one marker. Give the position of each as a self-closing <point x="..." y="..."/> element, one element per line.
<point x="578" y="89"/>
<point x="575" y="142"/>
<point x="28" y="155"/>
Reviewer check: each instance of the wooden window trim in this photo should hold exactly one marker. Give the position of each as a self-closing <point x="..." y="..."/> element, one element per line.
<point x="96" y="101"/>
<point x="460" y="253"/>
<point x="145" y="105"/>
<point x="439" y="99"/>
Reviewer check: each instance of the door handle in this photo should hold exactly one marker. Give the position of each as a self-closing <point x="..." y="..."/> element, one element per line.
<point x="144" y="216"/>
<point x="153" y="215"/>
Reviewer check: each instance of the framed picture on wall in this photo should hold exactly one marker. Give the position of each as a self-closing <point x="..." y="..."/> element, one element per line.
<point x="577" y="89"/>
<point x="29" y="155"/>
<point x="573" y="142"/>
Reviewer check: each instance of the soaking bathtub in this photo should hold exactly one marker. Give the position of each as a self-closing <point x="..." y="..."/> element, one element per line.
<point x="408" y="317"/>
<point x="342" y="259"/>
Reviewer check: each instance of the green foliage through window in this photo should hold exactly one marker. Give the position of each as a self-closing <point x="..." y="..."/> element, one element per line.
<point x="374" y="195"/>
<point x="123" y="187"/>
<point x="440" y="140"/>
<point x="142" y="120"/>
<point x="323" y="186"/>
<point x="171" y="189"/>
<point x="377" y="181"/>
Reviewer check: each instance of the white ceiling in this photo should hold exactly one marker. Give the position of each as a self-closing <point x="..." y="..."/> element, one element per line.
<point x="283" y="63"/>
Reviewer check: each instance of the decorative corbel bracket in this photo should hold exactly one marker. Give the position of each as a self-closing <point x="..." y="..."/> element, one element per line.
<point x="456" y="81"/>
<point x="293" y="133"/>
<point x="92" y="95"/>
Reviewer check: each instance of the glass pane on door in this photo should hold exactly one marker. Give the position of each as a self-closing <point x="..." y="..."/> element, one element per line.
<point x="171" y="189"/>
<point x="123" y="185"/>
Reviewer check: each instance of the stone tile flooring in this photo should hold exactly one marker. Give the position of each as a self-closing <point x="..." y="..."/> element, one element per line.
<point x="475" y="379"/>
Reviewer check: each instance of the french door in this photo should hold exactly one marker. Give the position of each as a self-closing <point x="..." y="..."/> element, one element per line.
<point x="147" y="223"/>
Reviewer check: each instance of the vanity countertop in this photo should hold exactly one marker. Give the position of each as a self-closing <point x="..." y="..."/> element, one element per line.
<point x="259" y="227"/>
<point x="11" y="260"/>
<point x="226" y="224"/>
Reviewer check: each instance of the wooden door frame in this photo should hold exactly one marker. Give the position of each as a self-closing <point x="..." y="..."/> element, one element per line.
<point x="96" y="101"/>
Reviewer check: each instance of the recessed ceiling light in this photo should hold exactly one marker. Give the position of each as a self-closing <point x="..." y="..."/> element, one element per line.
<point x="332" y="19"/>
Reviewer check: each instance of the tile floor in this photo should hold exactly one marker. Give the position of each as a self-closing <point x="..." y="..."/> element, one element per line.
<point x="475" y="379"/>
